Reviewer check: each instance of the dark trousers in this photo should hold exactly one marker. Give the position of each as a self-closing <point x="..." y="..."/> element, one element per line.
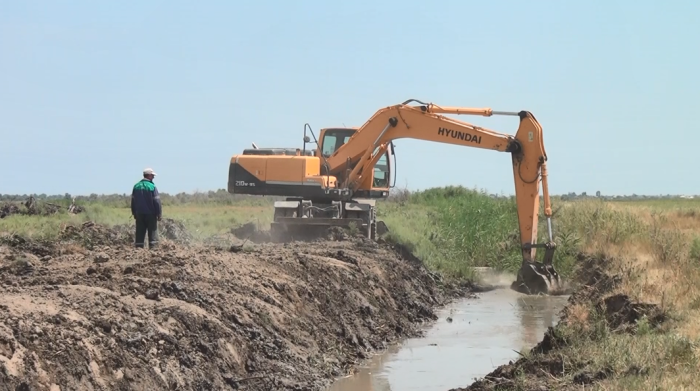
<point x="146" y="224"/>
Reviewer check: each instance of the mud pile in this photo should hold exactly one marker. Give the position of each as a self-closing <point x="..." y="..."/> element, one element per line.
<point x="8" y="209"/>
<point x="549" y="363"/>
<point x="90" y="235"/>
<point x="32" y="207"/>
<point x="174" y="230"/>
<point x="89" y="312"/>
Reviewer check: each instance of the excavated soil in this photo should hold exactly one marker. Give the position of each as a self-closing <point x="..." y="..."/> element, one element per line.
<point x="88" y="312"/>
<point x="547" y="365"/>
<point x="32" y="207"/>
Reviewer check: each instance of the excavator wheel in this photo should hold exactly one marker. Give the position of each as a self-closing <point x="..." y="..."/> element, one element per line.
<point x="381" y="228"/>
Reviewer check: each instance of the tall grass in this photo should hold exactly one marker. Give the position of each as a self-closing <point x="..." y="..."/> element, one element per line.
<point x="456" y="229"/>
<point x="655" y="248"/>
<point x="203" y="220"/>
<point x="468" y="228"/>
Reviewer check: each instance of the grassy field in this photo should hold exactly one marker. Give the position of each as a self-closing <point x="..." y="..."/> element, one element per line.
<point x="654" y="244"/>
<point x="203" y="218"/>
<point x="451" y="229"/>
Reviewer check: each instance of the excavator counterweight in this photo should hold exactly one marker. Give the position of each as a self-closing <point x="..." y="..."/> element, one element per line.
<point x="338" y="182"/>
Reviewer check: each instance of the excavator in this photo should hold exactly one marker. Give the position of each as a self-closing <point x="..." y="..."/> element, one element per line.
<point x="339" y="182"/>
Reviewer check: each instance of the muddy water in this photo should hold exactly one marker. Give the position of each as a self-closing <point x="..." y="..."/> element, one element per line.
<point x="484" y="333"/>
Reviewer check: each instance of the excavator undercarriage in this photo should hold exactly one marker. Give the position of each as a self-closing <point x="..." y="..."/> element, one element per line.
<point x="338" y="183"/>
<point x="303" y="218"/>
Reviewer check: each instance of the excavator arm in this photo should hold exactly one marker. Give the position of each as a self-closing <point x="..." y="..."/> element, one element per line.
<point x="427" y="122"/>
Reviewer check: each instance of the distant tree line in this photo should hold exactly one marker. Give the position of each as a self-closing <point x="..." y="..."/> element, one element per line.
<point x="221" y="196"/>
<point x="631" y="197"/>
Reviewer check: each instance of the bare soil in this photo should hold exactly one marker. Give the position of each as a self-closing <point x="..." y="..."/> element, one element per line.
<point x="32" y="207"/>
<point x="89" y="312"/>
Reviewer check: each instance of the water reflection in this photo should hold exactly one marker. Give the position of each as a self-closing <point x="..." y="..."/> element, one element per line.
<point x="536" y="314"/>
<point x="484" y="334"/>
<point x="369" y="377"/>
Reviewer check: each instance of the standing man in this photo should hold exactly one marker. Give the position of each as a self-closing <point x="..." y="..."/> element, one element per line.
<point x="146" y="209"/>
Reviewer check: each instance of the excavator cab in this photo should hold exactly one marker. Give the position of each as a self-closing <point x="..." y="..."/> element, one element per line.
<point x="331" y="139"/>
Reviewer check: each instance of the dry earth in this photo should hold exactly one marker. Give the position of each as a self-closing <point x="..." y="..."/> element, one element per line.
<point x="89" y="312"/>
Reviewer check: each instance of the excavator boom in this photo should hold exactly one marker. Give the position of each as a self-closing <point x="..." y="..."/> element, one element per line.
<point x="528" y="155"/>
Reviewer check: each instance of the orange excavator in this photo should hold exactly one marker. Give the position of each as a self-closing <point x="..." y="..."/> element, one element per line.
<point x="338" y="183"/>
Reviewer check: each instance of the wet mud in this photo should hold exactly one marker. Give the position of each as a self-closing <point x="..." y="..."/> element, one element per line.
<point x="469" y="340"/>
<point x="88" y="312"/>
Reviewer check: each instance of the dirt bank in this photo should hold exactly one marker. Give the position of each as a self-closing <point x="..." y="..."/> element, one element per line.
<point x="593" y="312"/>
<point x="32" y="207"/>
<point x="90" y="313"/>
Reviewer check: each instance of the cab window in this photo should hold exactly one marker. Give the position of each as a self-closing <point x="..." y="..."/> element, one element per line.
<point x="334" y="139"/>
<point x="329" y="141"/>
<point x="381" y="172"/>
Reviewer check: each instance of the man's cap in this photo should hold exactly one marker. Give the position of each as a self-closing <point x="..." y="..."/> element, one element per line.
<point x="149" y="171"/>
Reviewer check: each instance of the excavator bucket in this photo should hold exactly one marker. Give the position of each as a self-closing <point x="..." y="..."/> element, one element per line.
<point x="538" y="277"/>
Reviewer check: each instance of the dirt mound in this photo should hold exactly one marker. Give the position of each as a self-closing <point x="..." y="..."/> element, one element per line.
<point x="34" y="247"/>
<point x="543" y="368"/>
<point x="8" y="209"/>
<point x="32" y="207"/>
<point x="90" y="235"/>
<point x="174" y="230"/>
<point x="84" y="313"/>
<point x="250" y="232"/>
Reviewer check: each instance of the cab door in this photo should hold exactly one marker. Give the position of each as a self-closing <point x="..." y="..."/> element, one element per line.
<point x="383" y="170"/>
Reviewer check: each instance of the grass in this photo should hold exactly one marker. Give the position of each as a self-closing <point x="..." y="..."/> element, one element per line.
<point x="451" y="229"/>
<point x="653" y="244"/>
<point x="202" y="219"/>
<point x="454" y="229"/>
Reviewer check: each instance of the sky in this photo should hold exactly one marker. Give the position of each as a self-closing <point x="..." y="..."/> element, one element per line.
<point x="93" y="92"/>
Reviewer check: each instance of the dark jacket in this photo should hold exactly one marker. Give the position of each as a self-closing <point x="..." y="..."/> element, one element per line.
<point x="145" y="199"/>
